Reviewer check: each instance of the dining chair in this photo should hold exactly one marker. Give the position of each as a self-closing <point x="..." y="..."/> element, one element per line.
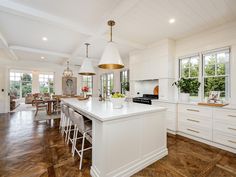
<point x="40" y="106"/>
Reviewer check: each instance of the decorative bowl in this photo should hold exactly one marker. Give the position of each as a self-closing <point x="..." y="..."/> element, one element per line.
<point x="117" y="103"/>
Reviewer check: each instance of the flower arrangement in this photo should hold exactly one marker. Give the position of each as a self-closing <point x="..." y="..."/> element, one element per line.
<point x="85" y="89"/>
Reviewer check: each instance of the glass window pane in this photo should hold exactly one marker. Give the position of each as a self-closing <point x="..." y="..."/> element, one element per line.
<point x="221" y="69"/>
<point x="215" y="84"/>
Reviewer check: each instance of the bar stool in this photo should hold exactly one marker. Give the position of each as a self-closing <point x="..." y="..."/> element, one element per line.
<point x="85" y="128"/>
<point x="66" y="121"/>
<point x="62" y="121"/>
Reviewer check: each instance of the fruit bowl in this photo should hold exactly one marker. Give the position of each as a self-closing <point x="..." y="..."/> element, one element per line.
<point x="117" y="100"/>
<point x="117" y="103"/>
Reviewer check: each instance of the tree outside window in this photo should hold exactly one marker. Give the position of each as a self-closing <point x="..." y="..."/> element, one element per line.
<point x="20" y="84"/>
<point x="124" y="81"/>
<point x="189" y="68"/>
<point x="216" y="73"/>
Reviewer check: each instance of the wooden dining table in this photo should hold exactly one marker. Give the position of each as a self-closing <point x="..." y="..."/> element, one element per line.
<point x="49" y="104"/>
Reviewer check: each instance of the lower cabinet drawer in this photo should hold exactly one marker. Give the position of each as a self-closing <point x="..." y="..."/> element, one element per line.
<point x="224" y="139"/>
<point x="224" y="127"/>
<point x="195" y="120"/>
<point x="198" y="131"/>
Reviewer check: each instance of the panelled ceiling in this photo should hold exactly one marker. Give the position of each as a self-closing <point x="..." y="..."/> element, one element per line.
<point x="69" y="24"/>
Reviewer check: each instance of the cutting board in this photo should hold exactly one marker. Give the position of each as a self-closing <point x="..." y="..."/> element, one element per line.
<point x="156" y="90"/>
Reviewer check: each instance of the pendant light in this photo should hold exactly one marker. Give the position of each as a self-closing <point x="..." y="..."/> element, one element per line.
<point x="68" y="72"/>
<point x="111" y="58"/>
<point x="87" y="67"/>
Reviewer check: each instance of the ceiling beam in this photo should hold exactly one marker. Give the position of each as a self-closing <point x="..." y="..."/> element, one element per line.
<point x="120" y="9"/>
<point x="7" y="48"/>
<point x="116" y="13"/>
<point x="31" y="13"/>
<point x="40" y="51"/>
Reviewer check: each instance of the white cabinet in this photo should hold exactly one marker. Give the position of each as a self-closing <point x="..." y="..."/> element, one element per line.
<point x="224" y="127"/>
<point x="195" y="121"/>
<point x="154" y="62"/>
<point x="171" y="115"/>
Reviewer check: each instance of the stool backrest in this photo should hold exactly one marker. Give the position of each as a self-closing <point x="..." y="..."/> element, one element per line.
<point x="71" y="113"/>
<point x="66" y="111"/>
<point x="79" y="120"/>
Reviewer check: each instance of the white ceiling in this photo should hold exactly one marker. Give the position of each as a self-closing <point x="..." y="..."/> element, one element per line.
<point x="69" y="24"/>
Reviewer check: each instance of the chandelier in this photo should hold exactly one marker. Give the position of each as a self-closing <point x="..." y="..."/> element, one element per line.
<point x="68" y="72"/>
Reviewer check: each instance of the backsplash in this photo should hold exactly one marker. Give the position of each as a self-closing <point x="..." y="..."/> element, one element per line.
<point x="144" y="87"/>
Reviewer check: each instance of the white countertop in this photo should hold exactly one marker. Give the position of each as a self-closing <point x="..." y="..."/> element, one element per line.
<point x="103" y="110"/>
<point x="230" y="106"/>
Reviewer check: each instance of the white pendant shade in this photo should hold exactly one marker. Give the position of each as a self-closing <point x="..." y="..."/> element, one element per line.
<point x="87" y="68"/>
<point x="111" y="58"/>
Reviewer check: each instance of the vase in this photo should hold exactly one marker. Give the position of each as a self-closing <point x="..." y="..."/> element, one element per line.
<point x="184" y="97"/>
<point x="85" y="94"/>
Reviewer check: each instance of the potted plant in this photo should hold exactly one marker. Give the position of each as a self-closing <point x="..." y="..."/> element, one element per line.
<point x="125" y="86"/>
<point x="117" y="100"/>
<point x="85" y="89"/>
<point x="187" y="86"/>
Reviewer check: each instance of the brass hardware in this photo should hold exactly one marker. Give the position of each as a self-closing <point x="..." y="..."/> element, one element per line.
<point x="231" y="115"/>
<point x="232" y="128"/>
<point x="232" y="141"/>
<point x="193" y="120"/>
<point x="87" y="74"/>
<point x="194" y="110"/>
<point x="111" y="66"/>
<point x="111" y="23"/>
<point x="193" y="130"/>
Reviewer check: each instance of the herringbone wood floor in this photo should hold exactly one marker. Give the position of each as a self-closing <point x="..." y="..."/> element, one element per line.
<point x="30" y="149"/>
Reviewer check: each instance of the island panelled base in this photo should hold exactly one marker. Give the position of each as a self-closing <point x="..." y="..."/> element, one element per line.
<point x="125" y="146"/>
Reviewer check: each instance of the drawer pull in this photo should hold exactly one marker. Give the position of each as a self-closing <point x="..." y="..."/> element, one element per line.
<point x="193" y="110"/>
<point x="232" y="141"/>
<point x="231" y="115"/>
<point x="192" y="130"/>
<point x="232" y="128"/>
<point x="193" y="120"/>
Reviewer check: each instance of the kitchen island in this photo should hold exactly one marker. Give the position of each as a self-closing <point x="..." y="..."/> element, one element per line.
<point x="125" y="140"/>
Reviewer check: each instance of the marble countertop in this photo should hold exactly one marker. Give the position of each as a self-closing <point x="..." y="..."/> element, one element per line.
<point x="104" y="111"/>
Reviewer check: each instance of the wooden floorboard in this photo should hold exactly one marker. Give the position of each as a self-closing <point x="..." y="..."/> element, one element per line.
<point x="37" y="149"/>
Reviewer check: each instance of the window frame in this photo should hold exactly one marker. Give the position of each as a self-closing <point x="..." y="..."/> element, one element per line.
<point x="201" y="75"/>
<point x="198" y="97"/>
<point x="44" y="80"/>
<point x="226" y="75"/>
<point x="106" y="80"/>
<point x="20" y="81"/>
<point x="87" y="83"/>
<point x="121" y="79"/>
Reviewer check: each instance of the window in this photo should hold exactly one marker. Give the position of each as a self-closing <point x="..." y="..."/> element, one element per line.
<point x="107" y="84"/>
<point x="46" y="83"/>
<point x="189" y="68"/>
<point x="20" y="84"/>
<point x="124" y="81"/>
<point x="216" y="73"/>
<point x="88" y="81"/>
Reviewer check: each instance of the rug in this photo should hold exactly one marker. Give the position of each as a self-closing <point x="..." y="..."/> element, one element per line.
<point x="24" y="107"/>
<point x="41" y="116"/>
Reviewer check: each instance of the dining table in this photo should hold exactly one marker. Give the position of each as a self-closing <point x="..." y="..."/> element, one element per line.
<point x="49" y="102"/>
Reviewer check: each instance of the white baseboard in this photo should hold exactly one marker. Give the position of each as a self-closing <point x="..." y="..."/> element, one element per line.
<point x="211" y="143"/>
<point x="129" y="171"/>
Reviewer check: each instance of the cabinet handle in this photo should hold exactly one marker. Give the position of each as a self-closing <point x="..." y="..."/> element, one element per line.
<point x="193" y="120"/>
<point x="231" y="128"/>
<point x="232" y="141"/>
<point x="193" y="130"/>
<point x="193" y="110"/>
<point x="231" y="115"/>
